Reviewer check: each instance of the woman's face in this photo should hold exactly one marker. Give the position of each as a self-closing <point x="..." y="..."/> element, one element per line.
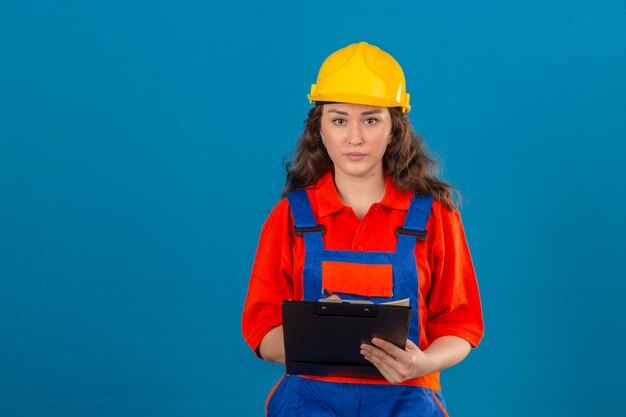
<point x="356" y="137"/>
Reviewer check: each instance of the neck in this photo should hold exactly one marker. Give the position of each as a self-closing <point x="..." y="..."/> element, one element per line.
<point x="360" y="192"/>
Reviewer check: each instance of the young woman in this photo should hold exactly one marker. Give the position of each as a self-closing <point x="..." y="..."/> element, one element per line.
<point x="390" y="231"/>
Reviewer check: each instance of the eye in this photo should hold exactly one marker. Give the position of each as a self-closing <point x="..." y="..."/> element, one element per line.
<point x="339" y="122"/>
<point x="371" y="121"/>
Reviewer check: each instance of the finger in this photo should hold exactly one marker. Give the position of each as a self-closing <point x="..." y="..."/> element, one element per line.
<point x="387" y="371"/>
<point x="398" y="370"/>
<point x="393" y="368"/>
<point x="388" y="347"/>
<point x="376" y="353"/>
<point x="376" y="361"/>
<point x="411" y="346"/>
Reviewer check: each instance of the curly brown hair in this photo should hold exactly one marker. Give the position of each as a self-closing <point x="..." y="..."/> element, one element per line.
<point x="405" y="161"/>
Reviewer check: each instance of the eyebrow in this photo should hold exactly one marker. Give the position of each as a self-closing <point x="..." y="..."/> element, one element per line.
<point x="365" y="113"/>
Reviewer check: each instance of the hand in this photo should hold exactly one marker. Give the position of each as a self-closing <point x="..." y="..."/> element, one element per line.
<point x="329" y="295"/>
<point x="399" y="365"/>
<point x="395" y="364"/>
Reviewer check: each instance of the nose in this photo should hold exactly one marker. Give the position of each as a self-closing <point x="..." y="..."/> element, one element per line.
<point x="355" y="137"/>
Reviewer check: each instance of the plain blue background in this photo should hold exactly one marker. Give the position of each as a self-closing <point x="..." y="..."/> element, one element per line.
<point x="141" y="149"/>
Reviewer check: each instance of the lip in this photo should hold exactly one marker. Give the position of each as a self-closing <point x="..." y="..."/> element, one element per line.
<point x="355" y="156"/>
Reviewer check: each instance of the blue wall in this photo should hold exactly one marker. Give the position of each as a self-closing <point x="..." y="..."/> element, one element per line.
<point x="140" y="152"/>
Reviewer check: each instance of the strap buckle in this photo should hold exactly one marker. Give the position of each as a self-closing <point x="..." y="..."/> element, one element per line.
<point x="420" y="235"/>
<point x="300" y="231"/>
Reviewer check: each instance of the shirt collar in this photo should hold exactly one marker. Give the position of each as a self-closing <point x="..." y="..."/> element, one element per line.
<point x="328" y="200"/>
<point x="394" y="198"/>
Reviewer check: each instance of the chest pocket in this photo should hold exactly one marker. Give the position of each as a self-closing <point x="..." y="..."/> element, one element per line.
<point x="369" y="280"/>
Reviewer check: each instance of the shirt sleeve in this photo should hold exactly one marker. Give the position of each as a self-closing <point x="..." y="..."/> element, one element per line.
<point x="271" y="280"/>
<point x="453" y="304"/>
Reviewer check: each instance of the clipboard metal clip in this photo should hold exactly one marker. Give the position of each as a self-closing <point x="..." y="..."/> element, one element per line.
<point x="345" y="309"/>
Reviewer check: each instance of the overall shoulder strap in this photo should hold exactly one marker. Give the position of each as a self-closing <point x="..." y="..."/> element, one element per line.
<point x="414" y="227"/>
<point x="305" y="224"/>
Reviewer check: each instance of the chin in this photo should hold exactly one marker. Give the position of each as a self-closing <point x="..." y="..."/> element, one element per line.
<point x="358" y="172"/>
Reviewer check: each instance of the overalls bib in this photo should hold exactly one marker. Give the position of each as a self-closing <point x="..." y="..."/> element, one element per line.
<point x="375" y="276"/>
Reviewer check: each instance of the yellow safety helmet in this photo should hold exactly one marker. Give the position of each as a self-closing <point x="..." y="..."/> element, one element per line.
<point x="362" y="74"/>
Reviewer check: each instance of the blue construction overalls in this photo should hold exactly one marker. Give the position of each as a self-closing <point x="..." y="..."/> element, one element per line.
<point x="301" y="396"/>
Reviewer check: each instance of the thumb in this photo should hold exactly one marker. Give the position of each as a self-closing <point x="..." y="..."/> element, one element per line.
<point x="410" y="346"/>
